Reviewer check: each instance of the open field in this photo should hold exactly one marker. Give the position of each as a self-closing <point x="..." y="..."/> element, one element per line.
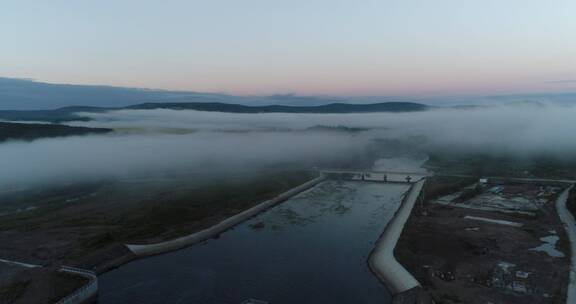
<point x="501" y="164"/>
<point x="35" y="285"/>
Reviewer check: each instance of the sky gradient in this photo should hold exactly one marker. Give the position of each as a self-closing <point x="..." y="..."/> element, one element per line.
<point x="308" y="47"/>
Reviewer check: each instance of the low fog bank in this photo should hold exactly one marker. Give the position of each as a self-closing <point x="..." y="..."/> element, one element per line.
<point x="152" y="141"/>
<point x="401" y="164"/>
<point x="127" y="156"/>
<point x="523" y="128"/>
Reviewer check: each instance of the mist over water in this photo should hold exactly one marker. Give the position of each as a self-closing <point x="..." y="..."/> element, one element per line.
<point x="514" y="128"/>
<point x="124" y="155"/>
<point x="160" y="140"/>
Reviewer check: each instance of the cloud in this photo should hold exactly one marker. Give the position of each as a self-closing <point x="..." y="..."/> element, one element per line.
<point x="561" y="81"/>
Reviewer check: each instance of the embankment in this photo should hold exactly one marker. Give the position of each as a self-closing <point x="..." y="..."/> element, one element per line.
<point x="178" y="243"/>
<point x="382" y="260"/>
<point x="570" y="227"/>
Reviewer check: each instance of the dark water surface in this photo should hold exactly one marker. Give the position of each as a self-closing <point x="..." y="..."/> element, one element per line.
<point x="312" y="248"/>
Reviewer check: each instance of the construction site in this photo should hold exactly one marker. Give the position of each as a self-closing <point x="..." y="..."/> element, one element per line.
<point x="488" y="241"/>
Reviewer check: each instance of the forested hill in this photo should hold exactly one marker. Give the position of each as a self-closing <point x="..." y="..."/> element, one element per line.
<point x="69" y="113"/>
<point x="329" y="108"/>
<point x="26" y="131"/>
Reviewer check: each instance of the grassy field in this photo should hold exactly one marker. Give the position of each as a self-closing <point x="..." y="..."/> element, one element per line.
<point x="486" y="164"/>
<point x="87" y="224"/>
<point x="35" y="285"/>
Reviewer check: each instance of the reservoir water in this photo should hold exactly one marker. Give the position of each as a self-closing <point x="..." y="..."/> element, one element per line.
<point x="313" y="248"/>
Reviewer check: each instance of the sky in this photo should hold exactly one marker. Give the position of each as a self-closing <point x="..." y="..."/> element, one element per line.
<point x="306" y="47"/>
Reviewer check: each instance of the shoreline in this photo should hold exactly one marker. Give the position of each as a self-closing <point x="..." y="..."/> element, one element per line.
<point x="397" y="279"/>
<point x="138" y="251"/>
<point x="143" y="250"/>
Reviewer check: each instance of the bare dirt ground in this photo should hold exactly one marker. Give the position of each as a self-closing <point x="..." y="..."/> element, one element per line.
<point x="35" y="285"/>
<point x="459" y="257"/>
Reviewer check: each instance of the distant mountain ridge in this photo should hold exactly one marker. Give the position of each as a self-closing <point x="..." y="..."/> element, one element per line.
<point x="68" y="113"/>
<point x="26" y="94"/>
<point x="329" y="108"/>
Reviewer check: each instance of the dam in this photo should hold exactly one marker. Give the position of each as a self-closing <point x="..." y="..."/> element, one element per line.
<point x="312" y="248"/>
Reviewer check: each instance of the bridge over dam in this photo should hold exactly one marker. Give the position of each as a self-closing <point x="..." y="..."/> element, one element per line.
<point x="375" y="176"/>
